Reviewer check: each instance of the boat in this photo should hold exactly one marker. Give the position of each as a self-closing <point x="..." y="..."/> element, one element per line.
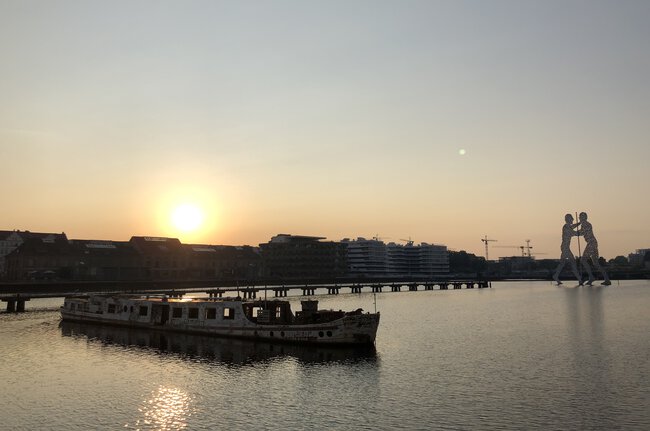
<point x="271" y="320"/>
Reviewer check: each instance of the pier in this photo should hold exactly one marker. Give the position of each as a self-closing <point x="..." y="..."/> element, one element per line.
<point x="16" y="301"/>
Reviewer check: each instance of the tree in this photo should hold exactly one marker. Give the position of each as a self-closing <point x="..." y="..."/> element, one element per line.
<point x="619" y="261"/>
<point x="461" y="261"/>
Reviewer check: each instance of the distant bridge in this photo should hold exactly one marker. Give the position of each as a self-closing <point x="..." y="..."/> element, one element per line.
<point x="17" y="295"/>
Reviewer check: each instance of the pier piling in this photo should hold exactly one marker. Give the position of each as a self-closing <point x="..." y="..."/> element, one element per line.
<point x="15" y="304"/>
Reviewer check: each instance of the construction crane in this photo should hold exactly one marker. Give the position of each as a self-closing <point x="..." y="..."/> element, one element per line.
<point x="525" y="249"/>
<point x="407" y="241"/>
<point x="521" y="247"/>
<point x="486" y="240"/>
<point x="528" y="247"/>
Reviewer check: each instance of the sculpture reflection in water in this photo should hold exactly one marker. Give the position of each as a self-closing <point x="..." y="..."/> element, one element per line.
<point x="214" y="349"/>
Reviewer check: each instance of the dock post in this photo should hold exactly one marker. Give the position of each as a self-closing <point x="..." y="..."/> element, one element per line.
<point x="20" y="305"/>
<point x="11" y="305"/>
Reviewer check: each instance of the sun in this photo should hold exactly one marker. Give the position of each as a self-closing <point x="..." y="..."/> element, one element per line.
<point x="187" y="217"/>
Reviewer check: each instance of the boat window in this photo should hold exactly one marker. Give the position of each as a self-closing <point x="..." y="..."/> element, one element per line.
<point x="111" y="308"/>
<point x="144" y="310"/>
<point x="210" y="313"/>
<point x="193" y="313"/>
<point x="228" y="313"/>
<point x="255" y="311"/>
<point x="125" y="308"/>
<point x="72" y="306"/>
<point x="177" y="312"/>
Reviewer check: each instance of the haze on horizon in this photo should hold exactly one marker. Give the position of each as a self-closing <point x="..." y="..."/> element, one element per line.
<point x="440" y="121"/>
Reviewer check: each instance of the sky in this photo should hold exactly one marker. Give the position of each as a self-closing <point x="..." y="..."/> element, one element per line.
<point x="436" y="121"/>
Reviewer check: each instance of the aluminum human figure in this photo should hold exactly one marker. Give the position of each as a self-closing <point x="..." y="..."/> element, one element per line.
<point x="565" y="248"/>
<point x="591" y="250"/>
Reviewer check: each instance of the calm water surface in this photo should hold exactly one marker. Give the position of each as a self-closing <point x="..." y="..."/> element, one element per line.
<point x="522" y="355"/>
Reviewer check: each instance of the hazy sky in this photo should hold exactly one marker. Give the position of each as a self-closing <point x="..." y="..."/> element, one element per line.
<point x="331" y="118"/>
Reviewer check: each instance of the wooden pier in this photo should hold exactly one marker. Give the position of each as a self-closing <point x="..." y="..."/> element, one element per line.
<point x="16" y="301"/>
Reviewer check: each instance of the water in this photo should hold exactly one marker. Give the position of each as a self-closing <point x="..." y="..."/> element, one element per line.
<point x="518" y="356"/>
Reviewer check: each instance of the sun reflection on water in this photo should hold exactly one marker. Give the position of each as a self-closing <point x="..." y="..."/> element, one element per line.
<point x="166" y="409"/>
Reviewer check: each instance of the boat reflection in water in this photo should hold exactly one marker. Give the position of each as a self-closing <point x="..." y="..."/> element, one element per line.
<point x="224" y="350"/>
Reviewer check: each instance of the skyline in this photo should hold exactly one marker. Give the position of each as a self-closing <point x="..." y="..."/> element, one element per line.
<point x="437" y="121"/>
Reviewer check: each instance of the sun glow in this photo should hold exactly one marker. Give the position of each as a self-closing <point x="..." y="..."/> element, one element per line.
<point x="187" y="212"/>
<point x="187" y="217"/>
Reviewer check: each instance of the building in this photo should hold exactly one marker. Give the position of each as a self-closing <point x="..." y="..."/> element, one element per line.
<point x="433" y="259"/>
<point x="12" y="239"/>
<point x="97" y="260"/>
<point x="163" y="258"/>
<point x="372" y="257"/>
<point x="422" y="260"/>
<point x="222" y="262"/>
<point x="366" y="257"/>
<point x="39" y="257"/>
<point x="54" y="257"/>
<point x="303" y="257"/>
<point x="640" y="258"/>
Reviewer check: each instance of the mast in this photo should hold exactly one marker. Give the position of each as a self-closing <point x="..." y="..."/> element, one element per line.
<point x="579" y="251"/>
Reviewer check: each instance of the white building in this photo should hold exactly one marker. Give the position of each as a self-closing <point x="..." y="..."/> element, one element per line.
<point x="425" y="260"/>
<point x="374" y="257"/>
<point x="366" y="256"/>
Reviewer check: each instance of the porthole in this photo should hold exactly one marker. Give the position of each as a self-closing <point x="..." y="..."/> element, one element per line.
<point x="329" y="333"/>
<point x="320" y="334"/>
